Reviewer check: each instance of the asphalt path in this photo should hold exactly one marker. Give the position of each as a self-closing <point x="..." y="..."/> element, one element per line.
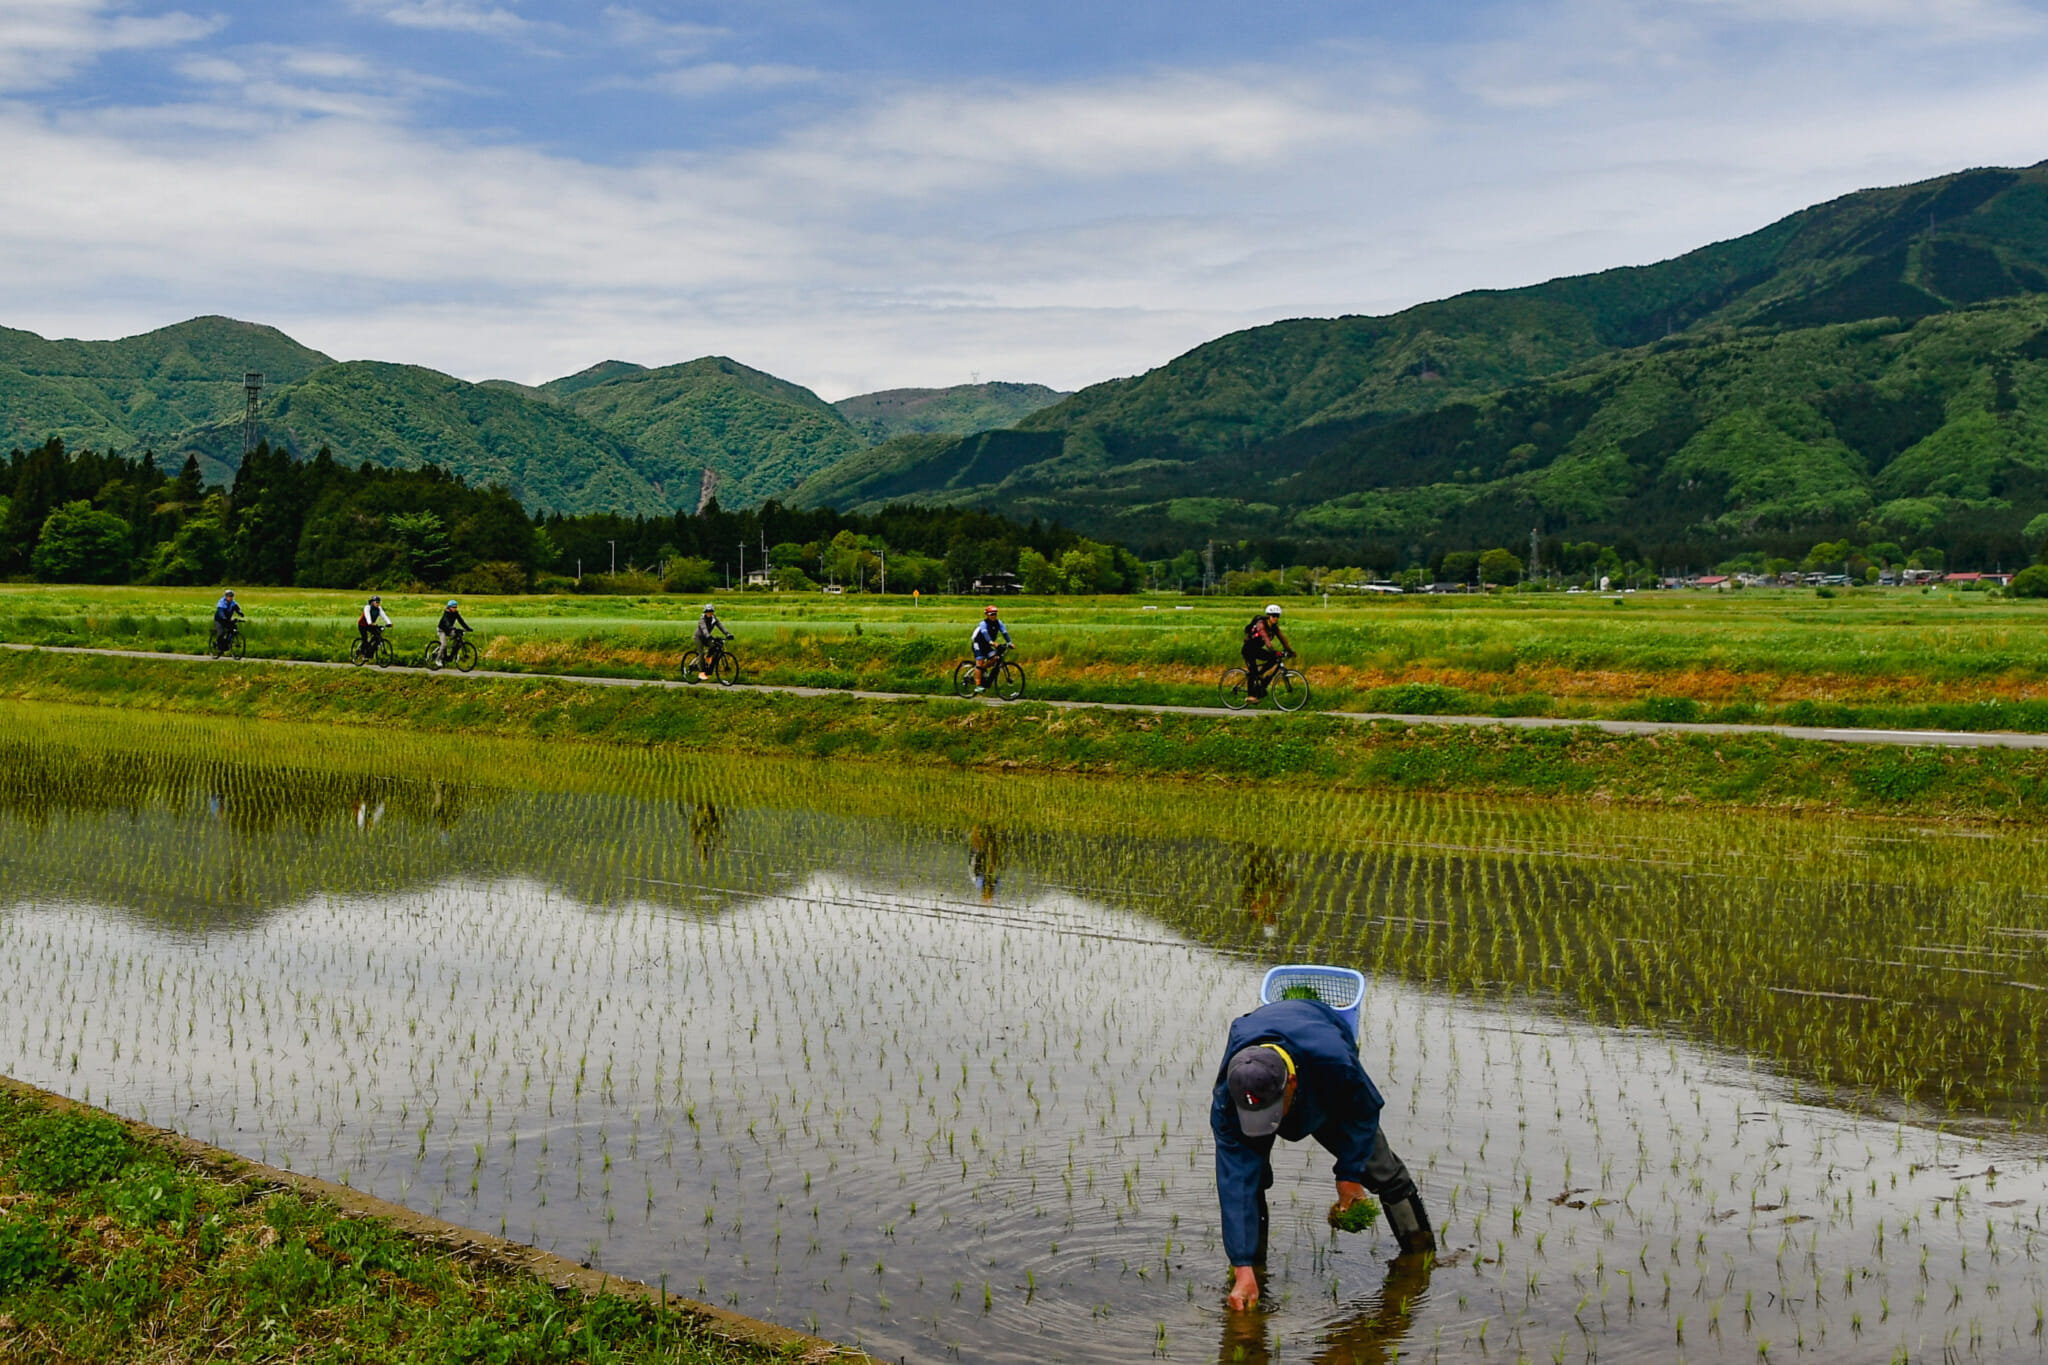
<point x="1951" y="739"/>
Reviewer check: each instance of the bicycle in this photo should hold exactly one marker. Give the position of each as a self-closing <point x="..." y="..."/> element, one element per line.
<point x="228" y="642"/>
<point x="1286" y="686"/>
<point x="720" y="664"/>
<point x="365" y="651"/>
<point x="1004" y="673"/>
<point x="462" y="654"/>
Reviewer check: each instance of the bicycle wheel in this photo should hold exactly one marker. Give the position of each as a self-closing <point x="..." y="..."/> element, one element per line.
<point x="238" y="646"/>
<point x="964" y="679"/>
<point x="386" y="655"/>
<point x="357" y="655"/>
<point x="465" y="656"/>
<point x="689" y="667"/>
<point x="727" y="669"/>
<point x="1289" y="690"/>
<point x="1010" y="682"/>
<point x="430" y="657"/>
<point x="1236" y="688"/>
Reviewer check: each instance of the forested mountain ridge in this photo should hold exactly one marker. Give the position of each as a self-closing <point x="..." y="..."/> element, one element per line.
<point x="962" y="410"/>
<point x="761" y="434"/>
<point x="141" y="390"/>
<point x="1351" y="431"/>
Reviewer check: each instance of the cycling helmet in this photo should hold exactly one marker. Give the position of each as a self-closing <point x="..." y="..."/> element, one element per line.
<point x="989" y="610"/>
<point x="451" y="601"/>
<point x="708" y="609"/>
<point x="375" y="597"/>
<point x="229" y="593"/>
<point x="1272" y="609"/>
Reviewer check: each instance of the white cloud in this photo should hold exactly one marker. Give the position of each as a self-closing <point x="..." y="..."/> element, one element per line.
<point x="664" y="40"/>
<point x="44" y="41"/>
<point x="1946" y="20"/>
<point x="457" y="16"/>
<point x="721" y="78"/>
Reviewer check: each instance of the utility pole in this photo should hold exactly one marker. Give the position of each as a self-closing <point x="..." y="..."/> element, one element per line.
<point x="1532" y="552"/>
<point x="615" y="557"/>
<point x="743" y="566"/>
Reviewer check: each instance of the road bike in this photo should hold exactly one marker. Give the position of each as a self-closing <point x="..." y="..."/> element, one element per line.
<point x="462" y="654"/>
<point x="228" y="642"/>
<point x="1000" y="674"/>
<point x="1284" y="686"/>
<point x="364" y="651"/>
<point x="720" y="664"/>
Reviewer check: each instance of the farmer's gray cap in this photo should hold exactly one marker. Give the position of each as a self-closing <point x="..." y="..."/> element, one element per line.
<point x="1257" y="1077"/>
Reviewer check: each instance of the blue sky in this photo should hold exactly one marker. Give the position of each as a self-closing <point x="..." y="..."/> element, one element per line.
<point x="858" y="196"/>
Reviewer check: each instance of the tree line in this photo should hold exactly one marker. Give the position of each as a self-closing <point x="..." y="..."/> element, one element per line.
<point x="88" y="517"/>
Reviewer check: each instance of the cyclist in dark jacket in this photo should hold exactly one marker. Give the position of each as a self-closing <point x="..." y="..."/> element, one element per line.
<point x="1291" y="1070"/>
<point x="451" y="621"/>
<point x="370" y="624"/>
<point x="711" y="638"/>
<point x="1261" y="636"/>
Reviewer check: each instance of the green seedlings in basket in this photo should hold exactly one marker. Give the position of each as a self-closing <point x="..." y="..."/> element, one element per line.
<point x="1300" y="993"/>
<point x="1358" y="1216"/>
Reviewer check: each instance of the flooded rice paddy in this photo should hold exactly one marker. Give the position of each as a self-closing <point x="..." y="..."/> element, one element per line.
<point x="923" y="1062"/>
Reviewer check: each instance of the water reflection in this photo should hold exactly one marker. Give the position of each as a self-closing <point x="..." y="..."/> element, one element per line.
<point x="1370" y="1332"/>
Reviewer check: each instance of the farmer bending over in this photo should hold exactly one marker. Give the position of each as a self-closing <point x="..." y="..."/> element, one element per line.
<point x="1292" y="1070"/>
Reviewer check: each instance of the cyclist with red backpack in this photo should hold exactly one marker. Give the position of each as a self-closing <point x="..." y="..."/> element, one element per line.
<point x="1260" y="655"/>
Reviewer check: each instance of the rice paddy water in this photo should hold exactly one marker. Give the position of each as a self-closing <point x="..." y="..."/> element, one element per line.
<point x="923" y="1062"/>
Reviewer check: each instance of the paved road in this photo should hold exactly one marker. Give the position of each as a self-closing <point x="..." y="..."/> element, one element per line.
<point x="1954" y="739"/>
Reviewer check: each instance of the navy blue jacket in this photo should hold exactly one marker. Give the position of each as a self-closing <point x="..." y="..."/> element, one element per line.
<point x="1335" y="1102"/>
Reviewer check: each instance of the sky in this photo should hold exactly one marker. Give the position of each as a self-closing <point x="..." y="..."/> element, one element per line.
<point x="892" y="193"/>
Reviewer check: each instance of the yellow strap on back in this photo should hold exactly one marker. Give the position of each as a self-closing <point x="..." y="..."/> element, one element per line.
<point x="1283" y="1057"/>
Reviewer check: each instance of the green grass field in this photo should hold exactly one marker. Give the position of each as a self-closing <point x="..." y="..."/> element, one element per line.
<point x="1872" y="657"/>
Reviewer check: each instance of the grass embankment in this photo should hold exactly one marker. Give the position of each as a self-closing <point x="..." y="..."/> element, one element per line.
<point x="1743" y="770"/>
<point x="113" y="1247"/>
<point x="1872" y="657"/>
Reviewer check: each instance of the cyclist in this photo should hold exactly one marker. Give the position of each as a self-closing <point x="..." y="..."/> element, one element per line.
<point x="984" y="644"/>
<point x="711" y="638"/>
<point x="1260" y="657"/>
<point x="224" y="613"/>
<point x="370" y="626"/>
<point x="451" y="629"/>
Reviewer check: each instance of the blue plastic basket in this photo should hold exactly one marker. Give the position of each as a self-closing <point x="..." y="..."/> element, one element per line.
<point x="1342" y="989"/>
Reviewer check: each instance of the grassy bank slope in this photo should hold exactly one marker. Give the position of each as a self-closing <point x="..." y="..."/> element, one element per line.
<point x="123" y="1243"/>
<point x="1758" y="771"/>
<point x="1882" y="658"/>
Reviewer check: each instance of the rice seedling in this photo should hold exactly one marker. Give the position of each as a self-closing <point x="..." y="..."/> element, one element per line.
<point x="677" y="1017"/>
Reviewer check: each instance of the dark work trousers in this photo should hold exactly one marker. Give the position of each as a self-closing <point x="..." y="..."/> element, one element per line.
<point x="1386" y="1175"/>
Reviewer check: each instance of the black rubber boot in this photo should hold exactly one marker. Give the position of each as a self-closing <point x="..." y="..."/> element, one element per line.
<point x="1410" y="1222"/>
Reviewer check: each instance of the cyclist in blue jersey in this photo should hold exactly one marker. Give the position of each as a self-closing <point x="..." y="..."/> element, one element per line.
<point x="224" y="613"/>
<point x="984" y="644"/>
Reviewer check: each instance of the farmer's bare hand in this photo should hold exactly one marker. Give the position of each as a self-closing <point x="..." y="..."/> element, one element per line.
<point x="1244" y="1289"/>
<point x="1348" y="1193"/>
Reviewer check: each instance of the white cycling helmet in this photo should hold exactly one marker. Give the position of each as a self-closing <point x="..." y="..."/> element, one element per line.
<point x="1272" y="609"/>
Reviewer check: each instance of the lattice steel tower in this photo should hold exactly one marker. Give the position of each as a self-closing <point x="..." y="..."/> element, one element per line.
<point x="252" y="389"/>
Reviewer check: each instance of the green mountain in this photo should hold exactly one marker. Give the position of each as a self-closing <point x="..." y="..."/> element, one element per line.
<point x="761" y="434"/>
<point x="402" y="416"/>
<point x="1387" y="431"/>
<point x="141" y="390"/>
<point x="961" y="410"/>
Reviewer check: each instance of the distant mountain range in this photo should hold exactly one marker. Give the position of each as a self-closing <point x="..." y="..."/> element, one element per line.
<point x="616" y="437"/>
<point x="1874" y="366"/>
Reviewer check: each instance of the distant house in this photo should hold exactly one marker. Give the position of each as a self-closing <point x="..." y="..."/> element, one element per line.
<point x="1714" y="581"/>
<point x="760" y="578"/>
<point x="1966" y="580"/>
<point x="996" y="584"/>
